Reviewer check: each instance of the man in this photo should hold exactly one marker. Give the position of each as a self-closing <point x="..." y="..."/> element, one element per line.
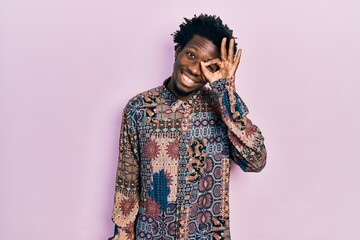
<point x="177" y="140"/>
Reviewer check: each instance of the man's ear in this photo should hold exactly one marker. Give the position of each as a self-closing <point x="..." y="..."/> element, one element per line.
<point x="177" y="51"/>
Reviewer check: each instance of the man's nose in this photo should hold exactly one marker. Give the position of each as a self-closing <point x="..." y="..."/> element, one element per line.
<point x="194" y="68"/>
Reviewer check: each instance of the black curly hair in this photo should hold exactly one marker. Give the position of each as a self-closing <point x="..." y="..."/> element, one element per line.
<point x="208" y="26"/>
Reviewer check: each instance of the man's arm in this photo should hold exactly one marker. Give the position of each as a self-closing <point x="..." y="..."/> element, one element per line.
<point x="126" y="200"/>
<point x="247" y="143"/>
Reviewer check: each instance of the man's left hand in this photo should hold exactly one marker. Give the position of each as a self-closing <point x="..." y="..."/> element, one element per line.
<point x="227" y="65"/>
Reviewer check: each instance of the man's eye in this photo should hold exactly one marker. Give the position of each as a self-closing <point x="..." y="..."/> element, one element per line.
<point x="212" y="68"/>
<point x="190" y="54"/>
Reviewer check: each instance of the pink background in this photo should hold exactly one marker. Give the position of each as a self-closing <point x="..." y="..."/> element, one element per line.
<point x="67" y="68"/>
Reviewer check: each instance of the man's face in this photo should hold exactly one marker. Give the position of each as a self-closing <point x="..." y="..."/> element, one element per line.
<point x="187" y="77"/>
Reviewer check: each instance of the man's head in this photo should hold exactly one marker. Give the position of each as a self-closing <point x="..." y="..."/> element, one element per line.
<point x="198" y="40"/>
<point x="207" y="26"/>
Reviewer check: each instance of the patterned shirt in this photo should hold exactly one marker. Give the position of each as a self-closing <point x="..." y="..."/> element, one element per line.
<point x="172" y="178"/>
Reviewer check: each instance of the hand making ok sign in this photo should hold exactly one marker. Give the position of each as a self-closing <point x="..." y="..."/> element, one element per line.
<point x="227" y="65"/>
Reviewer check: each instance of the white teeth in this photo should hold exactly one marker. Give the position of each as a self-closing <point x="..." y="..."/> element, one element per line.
<point x="188" y="79"/>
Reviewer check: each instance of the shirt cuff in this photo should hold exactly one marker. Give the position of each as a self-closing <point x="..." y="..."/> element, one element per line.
<point x="219" y="86"/>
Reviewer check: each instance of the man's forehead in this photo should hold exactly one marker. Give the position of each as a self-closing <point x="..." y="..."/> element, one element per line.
<point x="202" y="43"/>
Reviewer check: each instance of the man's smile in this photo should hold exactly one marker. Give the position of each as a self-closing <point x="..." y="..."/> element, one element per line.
<point x="188" y="79"/>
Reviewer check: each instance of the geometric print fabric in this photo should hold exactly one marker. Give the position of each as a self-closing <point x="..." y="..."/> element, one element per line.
<point x="173" y="171"/>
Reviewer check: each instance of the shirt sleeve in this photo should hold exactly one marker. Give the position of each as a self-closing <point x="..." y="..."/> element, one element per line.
<point x="126" y="199"/>
<point x="247" y="143"/>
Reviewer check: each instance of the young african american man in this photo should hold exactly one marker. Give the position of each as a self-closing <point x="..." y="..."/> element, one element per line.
<point x="177" y="142"/>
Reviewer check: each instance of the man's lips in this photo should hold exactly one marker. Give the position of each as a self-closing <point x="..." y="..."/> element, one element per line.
<point x="190" y="79"/>
<point x="187" y="79"/>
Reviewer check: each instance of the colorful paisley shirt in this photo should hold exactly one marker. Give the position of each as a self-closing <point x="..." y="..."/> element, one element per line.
<point x="172" y="178"/>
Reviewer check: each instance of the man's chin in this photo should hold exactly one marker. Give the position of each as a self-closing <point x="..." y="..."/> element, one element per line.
<point x="183" y="91"/>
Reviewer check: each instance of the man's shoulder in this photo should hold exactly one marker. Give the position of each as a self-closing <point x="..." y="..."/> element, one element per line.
<point x="139" y="100"/>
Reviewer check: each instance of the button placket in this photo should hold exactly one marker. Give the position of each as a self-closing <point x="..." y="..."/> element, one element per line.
<point x="186" y="117"/>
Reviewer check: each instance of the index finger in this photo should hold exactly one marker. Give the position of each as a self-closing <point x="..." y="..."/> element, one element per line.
<point x="216" y="61"/>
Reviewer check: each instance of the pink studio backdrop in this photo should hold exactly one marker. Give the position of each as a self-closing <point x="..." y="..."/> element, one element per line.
<point x="67" y="68"/>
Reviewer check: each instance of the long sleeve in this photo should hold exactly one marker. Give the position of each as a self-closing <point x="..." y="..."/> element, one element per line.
<point x="126" y="200"/>
<point x="247" y="143"/>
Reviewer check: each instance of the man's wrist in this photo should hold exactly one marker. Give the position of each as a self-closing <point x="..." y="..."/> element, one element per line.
<point x="222" y="84"/>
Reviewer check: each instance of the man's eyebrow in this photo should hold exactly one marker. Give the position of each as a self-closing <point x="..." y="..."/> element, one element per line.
<point x="194" y="47"/>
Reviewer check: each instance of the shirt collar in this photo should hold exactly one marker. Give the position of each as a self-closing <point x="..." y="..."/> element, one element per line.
<point x="173" y="101"/>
